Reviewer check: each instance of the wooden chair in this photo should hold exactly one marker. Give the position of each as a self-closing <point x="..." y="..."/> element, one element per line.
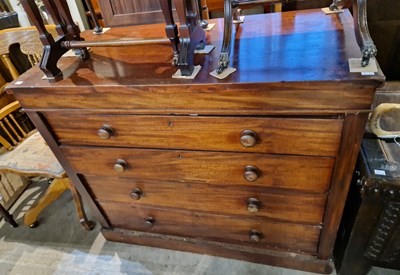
<point x="29" y="45"/>
<point x="15" y="139"/>
<point x="26" y="153"/>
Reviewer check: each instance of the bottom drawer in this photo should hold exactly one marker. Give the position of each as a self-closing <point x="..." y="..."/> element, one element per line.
<point x="254" y="232"/>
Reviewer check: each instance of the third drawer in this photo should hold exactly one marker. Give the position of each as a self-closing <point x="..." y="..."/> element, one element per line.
<point x="225" y="199"/>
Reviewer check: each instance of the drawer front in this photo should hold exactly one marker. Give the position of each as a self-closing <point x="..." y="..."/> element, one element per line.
<point x="318" y="137"/>
<point x="311" y="174"/>
<point x="254" y="232"/>
<point x="224" y="199"/>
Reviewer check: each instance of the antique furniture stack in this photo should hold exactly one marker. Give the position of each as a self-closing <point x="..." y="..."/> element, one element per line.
<point x="191" y="35"/>
<point x="253" y="167"/>
<point x="374" y="209"/>
<point x="127" y="12"/>
<point x="369" y="233"/>
<point x="364" y="40"/>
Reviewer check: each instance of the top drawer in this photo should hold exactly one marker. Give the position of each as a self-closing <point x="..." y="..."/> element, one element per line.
<point x="301" y="136"/>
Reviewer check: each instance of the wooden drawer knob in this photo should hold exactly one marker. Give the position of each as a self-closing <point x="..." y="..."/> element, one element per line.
<point x="255" y="235"/>
<point x="248" y="138"/>
<point x="251" y="173"/>
<point x="253" y="205"/>
<point x="136" y="194"/>
<point x="149" y="221"/>
<point x="120" y="166"/>
<point x="105" y="132"/>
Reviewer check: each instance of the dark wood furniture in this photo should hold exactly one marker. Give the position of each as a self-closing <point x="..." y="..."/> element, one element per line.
<point x="94" y="16"/>
<point x="191" y="34"/>
<point x="364" y="40"/>
<point x="136" y="12"/>
<point x="29" y="44"/>
<point x="254" y="167"/>
<point x="130" y="12"/>
<point x="384" y="26"/>
<point x="269" y="6"/>
<point x="371" y="224"/>
<point x="66" y="29"/>
<point x="231" y="15"/>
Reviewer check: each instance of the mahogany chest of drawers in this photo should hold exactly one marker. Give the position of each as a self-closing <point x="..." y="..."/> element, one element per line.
<point x="253" y="167"/>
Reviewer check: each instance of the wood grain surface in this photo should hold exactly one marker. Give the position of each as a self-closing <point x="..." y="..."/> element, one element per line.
<point x="274" y="135"/>
<point x="224" y="199"/>
<point x="128" y="12"/>
<point x="275" y="257"/>
<point x="286" y="236"/>
<point x="308" y="174"/>
<point x="181" y="138"/>
<point x="216" y="99"/>
<point x="304" y="46"/>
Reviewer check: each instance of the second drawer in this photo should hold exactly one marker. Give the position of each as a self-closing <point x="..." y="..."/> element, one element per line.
<point x="311" y="174"/>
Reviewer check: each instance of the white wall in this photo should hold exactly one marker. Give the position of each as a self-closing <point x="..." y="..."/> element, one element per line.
<point x="22" y="17"/>
<point x="78" y="13"/>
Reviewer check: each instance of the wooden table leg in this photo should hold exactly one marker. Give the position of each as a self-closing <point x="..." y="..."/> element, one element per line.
<point x="364" y="40"/>
<point x="204" y="10"/>
<point x="191" y="35"/>
<point x="334" y="5"/>
<point x="97" y="28"/>
<point x="52" y="50"/>
<point x="223" y="61"/>
<point x="171" y="28"/>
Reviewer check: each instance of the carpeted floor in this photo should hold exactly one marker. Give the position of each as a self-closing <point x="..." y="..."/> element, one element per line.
<point x="60" y="246"/>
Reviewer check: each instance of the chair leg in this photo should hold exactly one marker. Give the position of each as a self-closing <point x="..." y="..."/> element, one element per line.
<point x="87" y="225"/>
<point x="7" y="216"/>
<point x="56" y="188"/>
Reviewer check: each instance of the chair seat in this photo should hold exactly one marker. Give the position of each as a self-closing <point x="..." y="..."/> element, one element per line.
<point x="32" y="157"/>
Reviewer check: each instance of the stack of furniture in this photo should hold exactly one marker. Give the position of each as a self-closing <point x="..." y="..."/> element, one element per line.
<point x="370" y="231"/>
<point x="253" y="167"/>
<point x="126" y="12"/>
<point x="369" y="234"/>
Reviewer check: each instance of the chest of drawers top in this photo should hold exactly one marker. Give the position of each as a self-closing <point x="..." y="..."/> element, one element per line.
<point x="290" y="61"/>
